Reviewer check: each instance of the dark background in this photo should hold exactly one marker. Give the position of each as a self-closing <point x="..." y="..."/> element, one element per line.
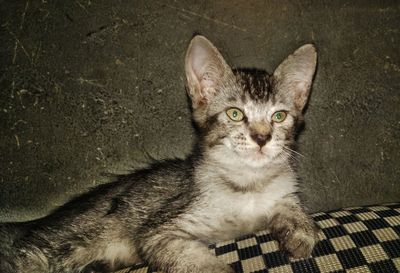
<point x="95" y="87"/>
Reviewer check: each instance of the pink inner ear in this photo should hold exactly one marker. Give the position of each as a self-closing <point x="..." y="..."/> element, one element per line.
<point x="200" y="59"/>
<point x="301" y="89"/>
<point x="302" y="86"/>
<point x="207" y="82"/>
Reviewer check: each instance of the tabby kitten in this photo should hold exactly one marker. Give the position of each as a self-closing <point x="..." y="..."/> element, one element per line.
<point x="240" y="181"/>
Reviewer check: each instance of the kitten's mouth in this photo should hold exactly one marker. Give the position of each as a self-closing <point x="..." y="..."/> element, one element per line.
<point x="258" y="155"/>
<point x="260" y="152"/>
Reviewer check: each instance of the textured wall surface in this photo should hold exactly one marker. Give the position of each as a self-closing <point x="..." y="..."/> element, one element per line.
<point x="92" y="88"/>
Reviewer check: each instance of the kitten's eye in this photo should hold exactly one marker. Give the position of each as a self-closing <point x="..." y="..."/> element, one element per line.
<point x="235" y="114"/>
<point x="279" y="116"/>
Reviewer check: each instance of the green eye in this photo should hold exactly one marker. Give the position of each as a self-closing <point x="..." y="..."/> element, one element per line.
<point x="235" y="114"/>
<point x="279" y="116"/>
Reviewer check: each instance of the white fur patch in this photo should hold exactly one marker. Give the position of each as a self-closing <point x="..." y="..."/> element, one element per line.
<point x="119" y="251"/>
<point x="223" y="214"/>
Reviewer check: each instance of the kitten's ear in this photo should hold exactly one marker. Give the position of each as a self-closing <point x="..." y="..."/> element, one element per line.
<point x="293" y="77"/>
<point x="206" y="70"/>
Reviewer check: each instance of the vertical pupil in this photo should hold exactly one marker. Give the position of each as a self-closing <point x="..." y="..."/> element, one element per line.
<point x="234" y="114"/>
<point x="278" y="115"/>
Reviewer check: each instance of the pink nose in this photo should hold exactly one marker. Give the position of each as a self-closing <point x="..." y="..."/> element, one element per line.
<point x="261" y="139"/>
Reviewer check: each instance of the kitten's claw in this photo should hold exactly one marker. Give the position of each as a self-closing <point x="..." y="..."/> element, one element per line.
<point x="299" y="243"/>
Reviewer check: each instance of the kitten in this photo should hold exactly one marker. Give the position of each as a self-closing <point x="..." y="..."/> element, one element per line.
<point x="238" y="182"/>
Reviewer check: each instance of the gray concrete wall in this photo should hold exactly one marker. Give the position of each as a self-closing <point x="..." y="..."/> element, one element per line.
<point x="96" y="87"/>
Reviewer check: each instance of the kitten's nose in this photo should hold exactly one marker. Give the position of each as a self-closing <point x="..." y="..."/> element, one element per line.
<point x="261" y="139"/>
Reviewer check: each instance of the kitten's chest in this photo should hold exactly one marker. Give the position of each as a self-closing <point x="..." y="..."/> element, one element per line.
<point x="243" y="212"/>
<point x="245" y="209"/>
<point x="223" y="215"/>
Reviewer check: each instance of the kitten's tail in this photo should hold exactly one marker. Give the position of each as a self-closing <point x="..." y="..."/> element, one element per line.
<point x="16" y="256"/>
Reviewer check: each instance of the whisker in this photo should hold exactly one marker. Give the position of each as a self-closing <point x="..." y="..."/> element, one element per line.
<point x="290" y="156"/>
<point x="287" y="153"/>
<point x="291" y="150"/>
<point x="286" y="164"/>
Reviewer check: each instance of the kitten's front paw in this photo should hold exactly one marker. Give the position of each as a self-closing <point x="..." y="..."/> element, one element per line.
<point x="299" y="242"/>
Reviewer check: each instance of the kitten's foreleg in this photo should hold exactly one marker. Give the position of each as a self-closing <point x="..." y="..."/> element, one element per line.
<point x="171" y="252"/>
<point x="293" y="228"/>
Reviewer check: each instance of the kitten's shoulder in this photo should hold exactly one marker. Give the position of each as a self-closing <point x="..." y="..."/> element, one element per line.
<point x="162" y="169"/>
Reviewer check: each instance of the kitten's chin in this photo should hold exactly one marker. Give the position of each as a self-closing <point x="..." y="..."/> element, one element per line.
<point x="255" y="159"/>
<point x="259" y="158"/>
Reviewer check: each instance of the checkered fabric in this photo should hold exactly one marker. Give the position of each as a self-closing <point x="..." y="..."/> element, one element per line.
<point x="352" y="240"/>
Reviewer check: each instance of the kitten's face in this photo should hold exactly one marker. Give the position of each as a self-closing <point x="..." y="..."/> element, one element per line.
<point x="250" y="120"/>
<point x="247" y="116"/>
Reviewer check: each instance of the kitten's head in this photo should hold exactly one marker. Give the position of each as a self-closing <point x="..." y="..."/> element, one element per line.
<point x="247" y="115"/>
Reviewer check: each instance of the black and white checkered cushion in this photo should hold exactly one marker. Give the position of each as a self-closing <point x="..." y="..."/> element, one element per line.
<point x="352" y="240"/>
